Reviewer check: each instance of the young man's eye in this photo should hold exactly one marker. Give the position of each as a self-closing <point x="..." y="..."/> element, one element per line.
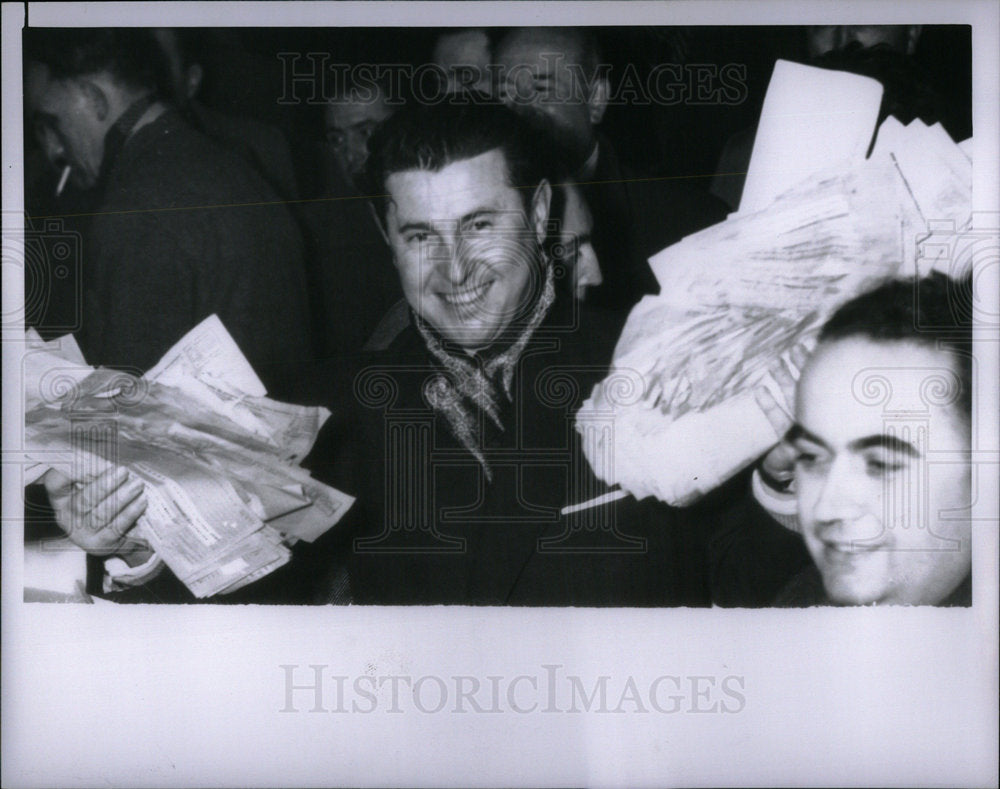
<point x="418" y="237"/>
<point x="807" y="459"/>
<point x="482" y="224"/>
<point x="881" y="466"/>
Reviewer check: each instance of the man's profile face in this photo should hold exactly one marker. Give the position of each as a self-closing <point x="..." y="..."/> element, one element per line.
<point x="66" y="123"/>
<point x="576" y="248"/>
<point x="466" y="250"/>
<point x="540" y="74"/>
<point x="349" y="124"/>
<point x="883" y="474"/>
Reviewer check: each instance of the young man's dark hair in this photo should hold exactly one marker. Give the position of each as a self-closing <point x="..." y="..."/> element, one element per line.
<point x="430" y="137"/>
<point x="129" y="55"/>
<point x="935" y="311"/>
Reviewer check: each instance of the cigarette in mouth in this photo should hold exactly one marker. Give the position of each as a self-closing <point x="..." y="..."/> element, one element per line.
<point x="62" y="180"/>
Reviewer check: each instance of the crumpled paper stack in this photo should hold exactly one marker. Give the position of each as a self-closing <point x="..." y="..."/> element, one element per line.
<point x="677" y="416"/>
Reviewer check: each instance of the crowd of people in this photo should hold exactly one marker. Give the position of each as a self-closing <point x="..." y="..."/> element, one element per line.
<point x="452" y="298"/>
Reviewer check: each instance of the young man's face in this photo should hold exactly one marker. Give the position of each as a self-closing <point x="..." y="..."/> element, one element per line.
<point x="883" y="473"/>
<point x="466" y="249"/>
<point x="67" y="123"/>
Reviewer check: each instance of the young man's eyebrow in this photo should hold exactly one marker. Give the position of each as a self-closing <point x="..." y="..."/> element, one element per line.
<point x="883" y="441"/>
<point x="796" y="431"/>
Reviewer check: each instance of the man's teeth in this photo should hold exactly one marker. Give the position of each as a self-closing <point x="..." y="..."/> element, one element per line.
<point x="852" y="547"/>
<point x="466" y="296"/>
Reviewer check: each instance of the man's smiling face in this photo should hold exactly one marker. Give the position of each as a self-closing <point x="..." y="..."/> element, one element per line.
<point x="883" y="500"/>
<point x="466" y="248"/>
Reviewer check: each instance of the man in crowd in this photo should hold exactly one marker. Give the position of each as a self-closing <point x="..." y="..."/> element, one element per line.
<point x="571" y="242"/>
<point x="464" y="57"/>
<point x="554" y="77"/>
<point x="875" y="471"/>
<point x="457" y="439"/>
<point x="182" y="229"/>
<point x="465" y="457"/>
<point x="358" y="285"/>
<point x="884" y="481"/>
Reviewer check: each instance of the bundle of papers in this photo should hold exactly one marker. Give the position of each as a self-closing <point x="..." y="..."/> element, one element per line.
<point x="220" y="461"/>
<point x="737" y="297"/>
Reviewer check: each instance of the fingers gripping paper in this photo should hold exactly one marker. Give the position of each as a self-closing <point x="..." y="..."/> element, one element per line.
<point x="219" y="459"/>
<point x="738" y="296"/>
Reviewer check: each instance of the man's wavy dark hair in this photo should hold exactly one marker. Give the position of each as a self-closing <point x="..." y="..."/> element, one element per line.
<point x="935" y="311"/>
<point x="431" y="137"/>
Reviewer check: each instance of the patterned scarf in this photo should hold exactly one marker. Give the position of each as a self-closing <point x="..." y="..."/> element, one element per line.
<point x="469" y="384"/>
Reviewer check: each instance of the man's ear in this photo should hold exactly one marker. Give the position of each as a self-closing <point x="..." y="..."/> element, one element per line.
<point x="95" y="98"/>
<point x="912" y="37"/>
<point x="540" y="202"/>
<point x="597" y="102"/>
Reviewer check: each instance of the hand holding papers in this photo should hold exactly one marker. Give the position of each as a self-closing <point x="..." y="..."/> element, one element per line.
<point x="219" y="460"/>
<point x="736" y="298"/>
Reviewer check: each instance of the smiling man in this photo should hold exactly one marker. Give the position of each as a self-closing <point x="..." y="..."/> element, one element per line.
<point x="457" y="436"/>
<point x="468" y="248"/>
<point x="882" y="440"/>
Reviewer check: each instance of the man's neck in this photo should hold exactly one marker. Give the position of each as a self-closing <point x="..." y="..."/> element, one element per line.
<point x="155" y="110"/>
<point x="141" y="111"/>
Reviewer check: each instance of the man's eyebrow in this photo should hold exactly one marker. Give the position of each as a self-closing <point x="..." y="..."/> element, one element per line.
<point x="796" y="431"/>
<point x="475" y="213"/>
<point x="414" y="226"/>
<point x="883" y="441"/>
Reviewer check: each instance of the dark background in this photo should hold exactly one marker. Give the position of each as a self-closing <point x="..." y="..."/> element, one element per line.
<point x="244" y="76"/>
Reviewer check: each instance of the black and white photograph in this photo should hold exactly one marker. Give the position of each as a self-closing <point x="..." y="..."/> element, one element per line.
<point x="501" y="394"/>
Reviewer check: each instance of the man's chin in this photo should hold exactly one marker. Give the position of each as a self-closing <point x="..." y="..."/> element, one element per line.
<point x="853" y="591"/>
<point x="469" y="339"/>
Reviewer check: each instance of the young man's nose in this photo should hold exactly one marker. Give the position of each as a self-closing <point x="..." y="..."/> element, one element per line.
<point x="838" y="503"/>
